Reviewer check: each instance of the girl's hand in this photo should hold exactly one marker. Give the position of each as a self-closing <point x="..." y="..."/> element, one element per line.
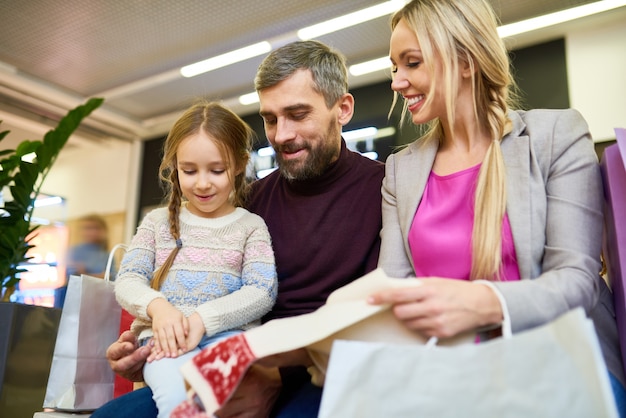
<point x="170" y="328"/>
<point x="442" y="307"/>
<point x="196" y="331"/>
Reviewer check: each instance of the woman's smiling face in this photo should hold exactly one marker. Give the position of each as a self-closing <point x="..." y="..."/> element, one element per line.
<point x="412" y="78"/>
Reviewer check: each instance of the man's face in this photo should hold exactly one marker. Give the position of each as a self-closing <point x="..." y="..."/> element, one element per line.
<point x="304" y="132"/>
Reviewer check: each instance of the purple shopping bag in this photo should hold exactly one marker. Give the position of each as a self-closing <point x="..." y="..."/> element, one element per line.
<point x="613" y="166"/>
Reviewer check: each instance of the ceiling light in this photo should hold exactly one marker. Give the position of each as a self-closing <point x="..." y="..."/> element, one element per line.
<point x="39" y="221"/>
<point x="228" y="58"/>
<point x="248" y="99"/>
<point x="350" y="19"/>
<point x="562" y="16"/>
<point x="370" y="66"/>
<point x="48" y="201"/>
<point x="372" y="155"/>
<point x="385" y="132"/>
<point x="265" y="152"/>
<point x="359" y="134"/>
<point x="264" y="173"/>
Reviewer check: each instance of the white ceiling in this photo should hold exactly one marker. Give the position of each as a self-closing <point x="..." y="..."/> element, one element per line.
<point x="56" y="54"/>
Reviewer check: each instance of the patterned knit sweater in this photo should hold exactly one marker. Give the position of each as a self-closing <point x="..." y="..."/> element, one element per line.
<point x="225" y="270"/>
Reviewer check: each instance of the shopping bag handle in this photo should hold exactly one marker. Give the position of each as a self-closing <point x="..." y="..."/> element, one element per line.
<point x="506" y="318"/>
<point x="107" y="271"/>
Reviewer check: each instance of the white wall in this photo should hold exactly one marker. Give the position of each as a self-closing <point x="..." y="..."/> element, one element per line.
<point x="596" y="67"/>
<point x="93" y="178"/>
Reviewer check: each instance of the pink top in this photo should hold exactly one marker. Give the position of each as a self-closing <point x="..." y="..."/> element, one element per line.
<point x="440" y="235"/>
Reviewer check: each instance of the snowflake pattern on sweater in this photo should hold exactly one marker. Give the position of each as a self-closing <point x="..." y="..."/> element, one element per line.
<point x="225" y="270"/>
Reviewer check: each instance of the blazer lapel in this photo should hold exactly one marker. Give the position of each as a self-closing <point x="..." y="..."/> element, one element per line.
<point x="418" y="161"/>
<point x="515" y="149"/>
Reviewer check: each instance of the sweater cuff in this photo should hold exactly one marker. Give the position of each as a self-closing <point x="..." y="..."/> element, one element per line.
<point x="505" y="324"/>
<point x="210" y="319"/>
<point x="144" y="301"/>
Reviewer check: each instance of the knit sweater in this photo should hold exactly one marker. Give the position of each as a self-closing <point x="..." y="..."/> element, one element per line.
<point x="325" y="230"/>
<point x="225" y="270"/>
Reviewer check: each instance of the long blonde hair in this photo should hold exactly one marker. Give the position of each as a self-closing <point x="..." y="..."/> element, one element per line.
<point x="233" y="138"/>
<point x="465" y="31"/>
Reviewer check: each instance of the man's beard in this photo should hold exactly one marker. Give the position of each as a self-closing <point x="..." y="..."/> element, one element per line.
<point x="318" y="159"/>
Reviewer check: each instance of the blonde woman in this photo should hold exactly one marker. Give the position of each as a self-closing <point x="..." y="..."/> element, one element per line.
<point x="505" y="202"/>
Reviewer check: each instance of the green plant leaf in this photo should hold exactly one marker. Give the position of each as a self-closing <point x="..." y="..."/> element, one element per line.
<point x="7" y="238"/>
<point x="10" y="163"/>
<point x="21" y="200"/>
<point x="27" y="147"/>
<point x="15" y="213"/>
<point x="24" y="180"/>
<point x="55" y="139"/>
<point x="5" y="179"/>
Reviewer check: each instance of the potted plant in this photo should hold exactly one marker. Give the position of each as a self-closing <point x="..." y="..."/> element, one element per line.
<point x="27" y="333"/>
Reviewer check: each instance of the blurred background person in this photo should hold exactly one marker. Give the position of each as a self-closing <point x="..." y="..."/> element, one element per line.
<point x="90" y="255"/>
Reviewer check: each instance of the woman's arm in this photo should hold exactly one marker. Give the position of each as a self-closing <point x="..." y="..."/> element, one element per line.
<point x="566" y="262"/>
<point x="393" y="258"/>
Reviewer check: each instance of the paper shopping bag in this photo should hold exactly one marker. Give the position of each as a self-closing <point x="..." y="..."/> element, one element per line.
<point x="123" y="385"/>
<point x="80" y="377"/>
<point x="215" y="372"/>
<point x="555" y="370"/>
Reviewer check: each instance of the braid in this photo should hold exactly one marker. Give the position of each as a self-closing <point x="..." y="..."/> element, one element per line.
<point x="174" y="206"/>
<point x="490" y="199"/>
<point x="174" y="221"/>
<point x="240" y="190"/>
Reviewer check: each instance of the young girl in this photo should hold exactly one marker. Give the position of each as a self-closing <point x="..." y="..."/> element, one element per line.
<point x="203" y="268"/>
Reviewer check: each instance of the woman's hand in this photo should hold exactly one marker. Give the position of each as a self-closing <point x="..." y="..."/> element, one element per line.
<point x="441" y="307"/>
<point x="170" y="328"/>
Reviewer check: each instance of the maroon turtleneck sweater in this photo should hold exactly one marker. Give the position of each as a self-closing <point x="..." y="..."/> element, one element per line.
<point x="325" y="231"/>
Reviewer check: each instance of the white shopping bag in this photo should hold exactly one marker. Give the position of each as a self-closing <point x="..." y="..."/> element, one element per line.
<point x="556" y="370"/>
<point x="80" y="376"/>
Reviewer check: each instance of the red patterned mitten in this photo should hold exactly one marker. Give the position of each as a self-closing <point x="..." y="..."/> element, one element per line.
<point x="216" y="371"/>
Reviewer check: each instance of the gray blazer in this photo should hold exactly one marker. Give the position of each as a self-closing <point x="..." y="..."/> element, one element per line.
<point x="554" y="205"/>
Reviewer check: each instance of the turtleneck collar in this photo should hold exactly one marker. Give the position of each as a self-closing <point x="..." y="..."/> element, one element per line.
<point x="320" y="183"/>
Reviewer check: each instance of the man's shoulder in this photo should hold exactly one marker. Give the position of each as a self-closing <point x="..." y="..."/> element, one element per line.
<point x="261" y="188"/>
<point x="268" y="181"/>
<point x="367" y="167"/>
<point x="368" y="171"/>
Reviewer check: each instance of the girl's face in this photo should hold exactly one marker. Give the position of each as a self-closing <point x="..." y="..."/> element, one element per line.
<point x="204" y="176"/>
<point x="411" y="77"/>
